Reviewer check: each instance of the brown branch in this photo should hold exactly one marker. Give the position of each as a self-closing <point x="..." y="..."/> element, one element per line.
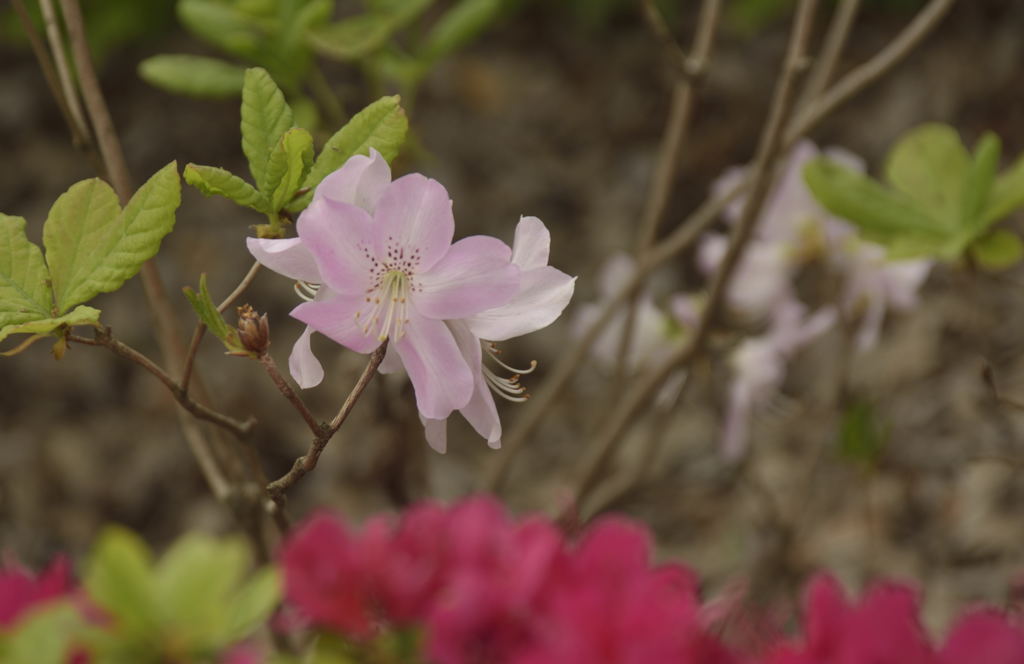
<point x="67" y="87"/>
<point x="241" y="287"/>
<point x="282" y="385"/>
<point x="103" y="338"/>
<point x="768" y="151"/>
<point x="691" y="228"/>
<point x="835" y="39"/>
<point x="307" y="462"/>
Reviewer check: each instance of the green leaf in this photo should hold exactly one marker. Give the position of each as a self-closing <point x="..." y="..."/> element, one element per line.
<point x="207" y="312"/>
<point x="80" y="315"/>
<point x="44" y="636"/>
<point x="92" y="246"/>
<point x="998" y="250"/>
<point x="252" y="605"/>
<point x="193" y="75"/>
<point x="352" y="38"/>
<point x="1007" y="193"/>
<point x="265" y="118"/>
<point x="977" y="185"/>
<point x="195" y="583"/>
<point x="288" y="166"/>
<point x="24" y="293"/>
<point x="929" y="164"/>
<point x="883" y="215"/>
<point x="458" y="26"/>
<point x="119" y="578"/>
<point x="213" y="181"/>
<point x="861" y="436"/>
<point x="222" y="25"/>
<point x="381" y="125"/>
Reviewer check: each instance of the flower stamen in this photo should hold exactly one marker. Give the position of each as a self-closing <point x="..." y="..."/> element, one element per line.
<point x="306" y="290"/>
<point x="509" y="388"/>
<point x="387" y="306"/>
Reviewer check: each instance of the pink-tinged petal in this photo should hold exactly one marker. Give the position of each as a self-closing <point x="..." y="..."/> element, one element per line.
<point x="475" y="275"/>
<point x="303" y="365"/>
<point x="480" y="412"/>
<point x="436" y="433"/>
<point x="415" y="215"/>
<point x="532" y="244"/>
<point x="439" y="374"/>
<point x="340" y="237"/>
<point x="392" y="362"/>
<point x="616" y="272"/>
<point x="336" y="319"/>
<point x="543" y="295"/>
<point x="360" y="182"/>
<point x="288" y="257"/>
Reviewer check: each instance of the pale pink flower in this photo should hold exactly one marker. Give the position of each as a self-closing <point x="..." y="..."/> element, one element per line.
<point x="384" y="251"/>
<point x="543" y="294"/>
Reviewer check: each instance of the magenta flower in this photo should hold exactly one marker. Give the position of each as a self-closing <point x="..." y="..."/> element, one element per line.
<point x="377" y="261"/>
<point x="20" y="590"/>
<point x="543" y="294"/>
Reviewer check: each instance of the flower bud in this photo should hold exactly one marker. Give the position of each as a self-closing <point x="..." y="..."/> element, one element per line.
<point x="253" y="330"/>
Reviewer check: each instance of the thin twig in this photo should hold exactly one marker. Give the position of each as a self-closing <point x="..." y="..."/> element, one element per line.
<point x="60" y="61"/>
<point x="200" y="329"/>
<point x="763" y="170"/>
<point x="103" y="338"/>
<point x="691" y="228"/>
<point x="307" y="462"/>
<point x="282" y="385"/>
<point x="241" y="288"/>
<point x="672" y="142"/>
<point x="835" y="39"/>
<point x="79" y="134"/>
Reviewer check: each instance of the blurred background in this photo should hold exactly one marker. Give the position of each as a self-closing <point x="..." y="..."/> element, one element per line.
<point x="553" y="109"/>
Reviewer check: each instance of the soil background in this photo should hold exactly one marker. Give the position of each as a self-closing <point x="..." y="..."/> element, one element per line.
<point x="553" y="116"/>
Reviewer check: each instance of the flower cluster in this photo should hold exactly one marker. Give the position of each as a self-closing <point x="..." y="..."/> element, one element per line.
<point x="374" y="259"/>
<point x="483" y="587"/>
<point x="794" y="229"/>
<point x="487" y="588"/>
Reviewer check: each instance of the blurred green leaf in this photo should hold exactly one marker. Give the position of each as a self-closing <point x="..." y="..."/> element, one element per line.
<point x="213" y="181"/>
<point x="193" y="75"/>
<point x="861" y="436"/>
<point x="252" y="605"/>
<point x="44" y="636"/>
<point x="352" y="38"/>
<point x="458" y="26"/>
<point x="883" y="215"/>
<point x="1007" y="193"/>
<point x="382" y="125"/>
<point x="928" y="164"/>
<point x="288" y="166"/>
<point x="222" y="25"/>
<point x="119" y="579"/>
<point x="207" y="312"/>
<point x="92" y="246"/>
<point x="24" y="293"/>
<point x="265" y="118"/>
<point x="80" y="315"/>
<point x="977" y="185"/>
<point x="999" y="250"/>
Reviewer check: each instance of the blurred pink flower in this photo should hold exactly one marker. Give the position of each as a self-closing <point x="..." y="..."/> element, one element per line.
<point x="20" y="590"/>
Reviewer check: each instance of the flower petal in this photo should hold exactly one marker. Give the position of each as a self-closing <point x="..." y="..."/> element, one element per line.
<point x="302" y="364"/>
<point x="360" y="182"/>
<point x="532" y="244"/>
<point x="288" y="257"/>
<point x="415" y="214"/>
<point x="336" y="319"/>
<point x="475" y="275"/>
<point x="436" y="432"/>
<point x="340" y="237"/>
<point x="543" y="295"/>
<point x="439" y="374"/>
<point x="480" y="412"/>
